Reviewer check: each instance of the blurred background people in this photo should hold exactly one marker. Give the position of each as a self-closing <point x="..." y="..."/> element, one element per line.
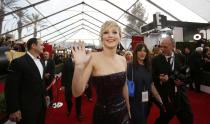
<point x="187" y="54"/>
<point x="128" y="56"/>
<point x="156" y="50"/>
<point x="66" y="80"/>
<point x="49" y="74"/>
<point x="88" y="90"/>
<point x="196" y="66"/>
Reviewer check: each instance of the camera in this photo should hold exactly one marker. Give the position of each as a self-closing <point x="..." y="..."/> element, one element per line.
<point x="182" y="73"/>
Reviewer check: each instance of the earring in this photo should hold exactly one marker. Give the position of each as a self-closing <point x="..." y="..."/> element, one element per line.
<point x="118" y="46"/>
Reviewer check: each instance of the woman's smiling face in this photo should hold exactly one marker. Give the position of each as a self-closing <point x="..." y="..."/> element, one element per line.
<point x="111" y="37"/>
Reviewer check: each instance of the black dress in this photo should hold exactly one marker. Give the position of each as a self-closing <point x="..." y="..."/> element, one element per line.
<point x="110" y="107"/>
<point x="142" y="79"/>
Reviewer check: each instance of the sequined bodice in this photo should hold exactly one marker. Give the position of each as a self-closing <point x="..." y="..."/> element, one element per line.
<point x="109" y="87"/>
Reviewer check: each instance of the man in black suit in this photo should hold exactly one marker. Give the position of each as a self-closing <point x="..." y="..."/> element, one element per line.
<point x="196" y="66"/>
<point x="66" y="79"/>
<point x="170" y="87"/>
<point x="49" y="65"/>
<point x="24" y="89"/>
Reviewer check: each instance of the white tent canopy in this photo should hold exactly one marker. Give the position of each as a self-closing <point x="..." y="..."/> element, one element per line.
<point x="199" y="7"/>
<point x="97" y="12"/>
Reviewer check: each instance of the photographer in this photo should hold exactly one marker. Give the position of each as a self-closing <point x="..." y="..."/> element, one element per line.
<point x="169" y="78"/>
<point x="196" y="66"/>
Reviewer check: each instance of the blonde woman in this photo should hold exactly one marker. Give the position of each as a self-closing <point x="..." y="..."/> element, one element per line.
<point x="108" y="71"/>
<point x="128" y="56"/>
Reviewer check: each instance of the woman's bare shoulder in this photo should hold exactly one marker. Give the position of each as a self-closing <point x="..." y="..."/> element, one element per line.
<point x="121" y="58"/>
<point x="95" y="55"/>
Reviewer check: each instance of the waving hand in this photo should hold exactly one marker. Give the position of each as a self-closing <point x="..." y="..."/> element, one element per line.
<point x="81" y="58"/>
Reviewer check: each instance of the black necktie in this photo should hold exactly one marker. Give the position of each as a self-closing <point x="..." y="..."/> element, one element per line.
<point x="169" y="60"/>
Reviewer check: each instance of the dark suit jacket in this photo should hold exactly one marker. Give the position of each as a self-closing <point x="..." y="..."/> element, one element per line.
<point x="196" y="66"/>
<point x="24" y="89"/>
<point x="49" y="68"/>
<point x="67" y="74"/>
<point x="161" y="66"/>
<point x="66" y="78"/>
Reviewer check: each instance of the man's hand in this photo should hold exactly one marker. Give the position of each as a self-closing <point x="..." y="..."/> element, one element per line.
<point x="163" y="78"/>
<point x="62" y="88"/>
<point x="47" y="75"/>
<point x="178" y="82"/>
<point x="162" y="107"/>
<point x="47" y="99"/>
<point x="16" y="116"/>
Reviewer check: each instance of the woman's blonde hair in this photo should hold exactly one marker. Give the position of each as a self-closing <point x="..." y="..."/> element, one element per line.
<point x="109" y="24"/>
<point x="128" y="53"/>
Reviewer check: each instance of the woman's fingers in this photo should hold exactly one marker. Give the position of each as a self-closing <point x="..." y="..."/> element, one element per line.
<point x="78" y="46"/>
<point x="81" y="46"/>
<point x="78" y="49"/>
<point x="75" y="46"/>
<point x="73" y="51"/>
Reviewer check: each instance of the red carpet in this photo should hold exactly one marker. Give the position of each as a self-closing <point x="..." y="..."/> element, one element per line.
<point x="200" y="103"/>
<point x="58" y="115"/>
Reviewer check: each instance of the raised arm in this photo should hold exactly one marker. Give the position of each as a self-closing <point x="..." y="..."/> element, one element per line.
<point x="82" y="69"/>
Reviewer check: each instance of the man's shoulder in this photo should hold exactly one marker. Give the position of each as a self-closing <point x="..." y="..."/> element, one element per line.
<point x="19" y="59"/>
<point x="157" y="58"/>
<point x="179" y="56"/>
<point x="17" y="63"/>
<point x="51" y="61"/>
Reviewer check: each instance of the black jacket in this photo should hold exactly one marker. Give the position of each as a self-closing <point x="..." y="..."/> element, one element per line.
<point x="24" y="89"/>
<point x="67" y="74"/>
<point x="161" y="66"/>
<point x="49" y="68"/>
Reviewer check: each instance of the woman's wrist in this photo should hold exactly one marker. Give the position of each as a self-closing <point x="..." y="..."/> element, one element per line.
<point x="79" y="66"/>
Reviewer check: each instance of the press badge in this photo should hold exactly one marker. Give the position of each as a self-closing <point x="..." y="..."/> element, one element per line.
<point x="145" y="96"/>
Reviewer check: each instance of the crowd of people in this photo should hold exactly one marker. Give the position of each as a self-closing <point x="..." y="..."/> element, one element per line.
<point x="159" y="78"/>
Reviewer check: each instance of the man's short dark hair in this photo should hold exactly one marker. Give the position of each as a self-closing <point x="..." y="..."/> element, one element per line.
<point x="30" y="42"/>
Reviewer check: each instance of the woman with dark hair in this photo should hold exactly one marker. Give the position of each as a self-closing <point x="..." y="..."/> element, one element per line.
<point x="140" y="72"/>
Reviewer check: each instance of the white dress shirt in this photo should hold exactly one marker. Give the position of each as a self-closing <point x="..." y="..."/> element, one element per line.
<point x="38" y="64"/>
<point x="45" y="63"/>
